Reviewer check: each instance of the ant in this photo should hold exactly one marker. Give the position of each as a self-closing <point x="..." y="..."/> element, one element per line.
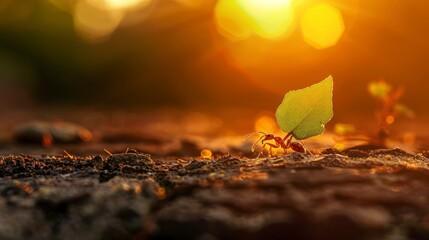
<point x="284" y="143"/>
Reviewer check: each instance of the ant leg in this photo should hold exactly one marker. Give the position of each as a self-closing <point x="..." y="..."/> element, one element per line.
<point x="277" y="145"/>
<point x="262" y="150"/>
<point x="288" y="137"/>
<point x="284" y="149"/>
<point x="305" y="147"/>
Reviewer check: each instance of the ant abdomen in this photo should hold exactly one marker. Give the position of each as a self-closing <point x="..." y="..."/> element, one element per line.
<point x="297" y="147"/>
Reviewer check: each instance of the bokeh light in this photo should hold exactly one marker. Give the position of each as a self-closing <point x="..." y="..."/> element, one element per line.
<point x="266" y="124"/>
<point x="169" y="40"/>
<point x="124" y="4"/>
<point x="232" y="21"/>
<point x="239" y="19"/>
<point x="322" y="25"/>
<point x="206" y="154"/>
<point x="94" y="21"/>
<point x="273" y="17"/>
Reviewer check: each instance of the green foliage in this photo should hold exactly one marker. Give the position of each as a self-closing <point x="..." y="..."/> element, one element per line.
<point x="305" y="112"/>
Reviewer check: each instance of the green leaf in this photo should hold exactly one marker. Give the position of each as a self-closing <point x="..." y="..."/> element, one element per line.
<point x="304" y="112"/>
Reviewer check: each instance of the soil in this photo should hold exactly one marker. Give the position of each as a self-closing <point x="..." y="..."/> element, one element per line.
<point x="356" y="194"/>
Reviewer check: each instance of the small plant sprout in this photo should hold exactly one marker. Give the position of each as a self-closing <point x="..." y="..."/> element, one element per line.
<point x="302" y="114"/>
<point x="388" y="98"/>
<point x="389" y="108"/>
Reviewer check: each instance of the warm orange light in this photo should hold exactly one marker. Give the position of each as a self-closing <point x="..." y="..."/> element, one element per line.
<point x="266" y="124"/>
<point x="239" y="19"/>
<point x="231" y="20"/>
<point x="273" y="17"/>
<point x="123" y="4"/>
<point x="344" y="129"/>
<point x="94" y="21"/>
<point x="409" y="138"/>
<point x="339" y="147"/>
<point x="206" y="154"/>
<point x="322" y="25"/>
<point x="191" y="3"/>
<point x="390" y="119"/>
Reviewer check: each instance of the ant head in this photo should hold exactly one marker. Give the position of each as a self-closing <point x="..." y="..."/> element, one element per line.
<point x="267" y="136"/>
<point x="263" y="138"/>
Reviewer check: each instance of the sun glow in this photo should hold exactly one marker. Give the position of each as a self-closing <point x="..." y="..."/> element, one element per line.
<point x="321" y="23"/>
<point x="96" y="20"/>
<point x="232" y="21"/>
<point x="266" y="124"/>
<point x="322" y="26"/>
<point x="239" y="19"/>
<point x="273" y="17"/>
<point x="122" y="4"/>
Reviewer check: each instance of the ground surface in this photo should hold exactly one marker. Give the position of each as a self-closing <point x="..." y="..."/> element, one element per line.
<point x="381" y="194"/>
<point x="173" y="194"/>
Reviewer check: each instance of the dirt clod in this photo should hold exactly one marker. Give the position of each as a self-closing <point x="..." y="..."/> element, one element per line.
<point x="354" y="153"/>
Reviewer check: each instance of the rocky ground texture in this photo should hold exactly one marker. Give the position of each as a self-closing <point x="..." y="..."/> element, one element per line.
<point x="379" y="194"/>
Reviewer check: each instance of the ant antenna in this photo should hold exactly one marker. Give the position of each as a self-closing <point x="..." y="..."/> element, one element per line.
<point x="257" y="141"/>
<point x="251" y="134"/>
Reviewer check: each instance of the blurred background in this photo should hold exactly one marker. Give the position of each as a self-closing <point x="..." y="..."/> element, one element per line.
<point x="208" y="56"/>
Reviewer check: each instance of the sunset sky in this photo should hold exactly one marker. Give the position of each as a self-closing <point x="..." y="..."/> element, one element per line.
<point x="226" y="53"/>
